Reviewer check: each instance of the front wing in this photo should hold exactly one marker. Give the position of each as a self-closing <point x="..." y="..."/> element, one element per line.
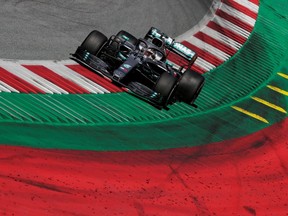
<point x="137" y="89"/>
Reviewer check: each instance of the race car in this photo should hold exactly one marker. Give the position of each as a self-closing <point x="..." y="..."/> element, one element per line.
<point x="141" y="66"/>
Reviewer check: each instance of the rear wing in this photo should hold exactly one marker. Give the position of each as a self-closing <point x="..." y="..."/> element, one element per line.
<point x="172" y="45"/>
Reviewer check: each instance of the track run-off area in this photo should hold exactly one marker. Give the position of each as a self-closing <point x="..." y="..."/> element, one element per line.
<point x="74" y="144"/>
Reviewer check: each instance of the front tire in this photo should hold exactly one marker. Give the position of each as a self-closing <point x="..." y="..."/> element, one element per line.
<point x="189" y="86"/>
<point x="94" y="42"/>
<point x="165" y="86"/>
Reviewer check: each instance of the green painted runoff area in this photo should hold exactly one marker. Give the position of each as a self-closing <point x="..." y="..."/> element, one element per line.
<point x="122" y="122"/>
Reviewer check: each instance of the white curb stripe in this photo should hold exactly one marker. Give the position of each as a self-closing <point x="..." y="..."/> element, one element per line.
<point x="222" y="38"/>
<point x="204" y="64"/>
<point x="33" y="78"/>
<point x="251" y="6"/>
<point x="3" y="87"/>
<point x="75" y="77"/>
<point x="208" y="48"/>
<point x="200" y="62"/>
<point x="238" y="14"/>
<point x="228" y="25"/>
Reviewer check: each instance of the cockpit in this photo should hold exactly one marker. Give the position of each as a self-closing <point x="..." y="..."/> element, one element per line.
<point x="154" y="49"/>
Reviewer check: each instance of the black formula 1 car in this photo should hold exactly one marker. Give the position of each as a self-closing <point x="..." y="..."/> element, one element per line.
<point x="140" y="65"/>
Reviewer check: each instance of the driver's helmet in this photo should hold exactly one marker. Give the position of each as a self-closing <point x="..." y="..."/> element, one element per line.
<point x="153" y="49"/>
<point x="153" y="54"/>
<point x="149" y="53"/>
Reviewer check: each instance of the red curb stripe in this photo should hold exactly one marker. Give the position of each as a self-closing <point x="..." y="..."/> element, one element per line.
<point x="212" y="41"/>
<point x="58" y="80"/>
<point x="180" y="61"/>
<point x="227" y="32"/>
<point x="198" y="69"/>
<point x="256" y="2"/>
<point x="95" y="78"/>
<point x="234" y="20"/>
<point x="241" y="8"/>
<point x="203" y="54"/>
<point x="18" y="83"/>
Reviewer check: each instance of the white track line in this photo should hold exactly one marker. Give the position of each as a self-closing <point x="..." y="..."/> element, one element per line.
<point x="216" y="4"/>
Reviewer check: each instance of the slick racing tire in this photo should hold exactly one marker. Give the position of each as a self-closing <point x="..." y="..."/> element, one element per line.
<point x="130" y="37"/>
<point x="94" y="42"/>
<point x="165" y="86"/>
<point x="189" y="86"/>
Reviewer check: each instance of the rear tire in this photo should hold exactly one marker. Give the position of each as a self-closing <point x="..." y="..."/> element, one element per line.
<point x="165" y="86"/>
<point x="189" y="86"/>
<point x="94" y="42"/>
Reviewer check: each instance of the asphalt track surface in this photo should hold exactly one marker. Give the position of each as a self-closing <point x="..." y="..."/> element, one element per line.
<point x="50" y="30"/>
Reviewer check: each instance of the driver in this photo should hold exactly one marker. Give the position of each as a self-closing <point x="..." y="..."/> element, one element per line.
<point x="154" y="50"/>
<point x="148" y="53"/>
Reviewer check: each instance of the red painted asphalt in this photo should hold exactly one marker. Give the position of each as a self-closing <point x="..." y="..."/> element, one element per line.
<point x="245" y="176"/>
